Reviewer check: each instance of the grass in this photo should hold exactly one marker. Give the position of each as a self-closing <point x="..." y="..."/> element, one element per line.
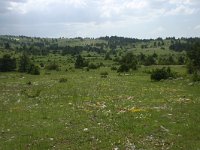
<point x="90" y="112"/>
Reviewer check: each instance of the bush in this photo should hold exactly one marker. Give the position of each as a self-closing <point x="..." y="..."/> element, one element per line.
<point x="63" y="80"/>
<point x="80" y="62"/>
<point x="93" y="66"/>
<point x="104" y="74"/>
<point x="34" y="70"/>
<point x="196" y="77"/>
<point x="52" y="66"/>
<point x="113" y="68"/>
<point x="123" y="68"/>
<point x="127" y="63"/>
<point x="163" y="73"/>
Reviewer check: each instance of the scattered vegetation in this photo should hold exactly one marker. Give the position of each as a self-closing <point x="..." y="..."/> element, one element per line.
<point x="75" y="109"/>
<point x="164" y="73"/>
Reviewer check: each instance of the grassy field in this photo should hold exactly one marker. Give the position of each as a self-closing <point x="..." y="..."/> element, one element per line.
<point x="81" y="110"/>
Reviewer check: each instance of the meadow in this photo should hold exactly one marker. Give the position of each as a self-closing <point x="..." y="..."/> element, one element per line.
<point x="79" y="109"/>
<point x="96" y="106"/>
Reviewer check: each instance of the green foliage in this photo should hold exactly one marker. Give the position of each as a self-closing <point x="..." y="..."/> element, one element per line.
<point x="52" y="66"/>
<point x="34" y="70"/>
<point x="107" y="56"/>
<point x="113" y="68"/>
<point x="24" y="63"/>
<point x="127" y="62"/>
<point x="194" y="58"/>
<point x="7" y="45"/>
<point x="93" y="66"/>
<point x="150" y="60"/>
<point x="80" y="62"/>
<point x="26" y="66"/>
<point x="104" y="74"/>
<point x="7" y="63"/>
<point x="63" y="80"/>
<point x="164" y="73"/>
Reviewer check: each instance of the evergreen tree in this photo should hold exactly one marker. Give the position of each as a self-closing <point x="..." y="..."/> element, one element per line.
<point x="24" y="63"/>
<point x="7" y="63"/>
<point x="80" y="62"/>
<point x="128" y="62"/>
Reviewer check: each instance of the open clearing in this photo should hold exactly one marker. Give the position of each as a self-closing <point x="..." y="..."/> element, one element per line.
<point x="89" y="112"/>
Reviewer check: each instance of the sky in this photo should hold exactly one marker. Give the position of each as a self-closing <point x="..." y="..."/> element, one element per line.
<point x="95" y="18"/>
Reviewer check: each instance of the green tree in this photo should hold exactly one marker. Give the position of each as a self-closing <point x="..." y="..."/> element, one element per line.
<point x="194" y="61"/>
<point x="194" y="57"/>
<point x="24" y="63"/>
<point x="7" y="63"/>
<point x="150" y="60"/>
<point x="7" y="46"/>
<point x="128" y="62"/>
<point x="80" y="62"/>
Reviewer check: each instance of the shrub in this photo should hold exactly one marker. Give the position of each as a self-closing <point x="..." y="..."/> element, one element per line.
<point x="34" y="70"/>
<point x="93" y="66"/>
<point x="127" y="62"/>
<point x="196" y="77"/>
<point x="80" y="62"/>
<point x="52" y="66"/>
<point x="104" y="74"/>
<point x="164" y="73"/>
<point x="63" y="80"/>
<point x="113" y="68"/>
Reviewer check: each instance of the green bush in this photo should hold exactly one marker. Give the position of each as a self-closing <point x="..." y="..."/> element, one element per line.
<point x="63" y="80"/>
<point x="196" y="77"/>
<point x="34" y="70"/>
<point x="164" y="73"/>
<point x="104" y="74"/>
<point x="113" y="68"/>
<point x="52" y="66"/>
<point x="93" y="66"/>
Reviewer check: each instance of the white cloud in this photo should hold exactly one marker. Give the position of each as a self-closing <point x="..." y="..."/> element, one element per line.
<point x="181" y="9"/>
<point x="157" y="31"/>
<point x="93" y="16"/>
<point x="197" y="27"/>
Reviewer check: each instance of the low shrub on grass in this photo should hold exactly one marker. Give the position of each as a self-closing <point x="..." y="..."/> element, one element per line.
<point x="104" y="74"/>
<point x="164" y="73"/>
<point x="196" y="77"/>
<point x="34" y="70"/>
<point x="52" y="66"/>
<point x="63" y="80"/>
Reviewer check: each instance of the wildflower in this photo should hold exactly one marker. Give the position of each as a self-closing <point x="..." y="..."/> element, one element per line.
<point x="133" y="109"/>
<point x="86" y="129"/>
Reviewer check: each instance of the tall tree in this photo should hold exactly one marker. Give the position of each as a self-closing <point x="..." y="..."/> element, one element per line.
<point x="24" y="63"/>
<point x="80" y="62"/>
<point x="7" y="63"/>
<point x="194" y="58"/>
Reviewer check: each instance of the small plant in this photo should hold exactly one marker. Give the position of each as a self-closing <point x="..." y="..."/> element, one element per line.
<point x="104" y="74"/>
<point x="29" y="83"/>
<point x="63" y="80"/>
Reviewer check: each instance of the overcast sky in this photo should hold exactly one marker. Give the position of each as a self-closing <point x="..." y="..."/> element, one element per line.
<point x="95" y="18"/>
